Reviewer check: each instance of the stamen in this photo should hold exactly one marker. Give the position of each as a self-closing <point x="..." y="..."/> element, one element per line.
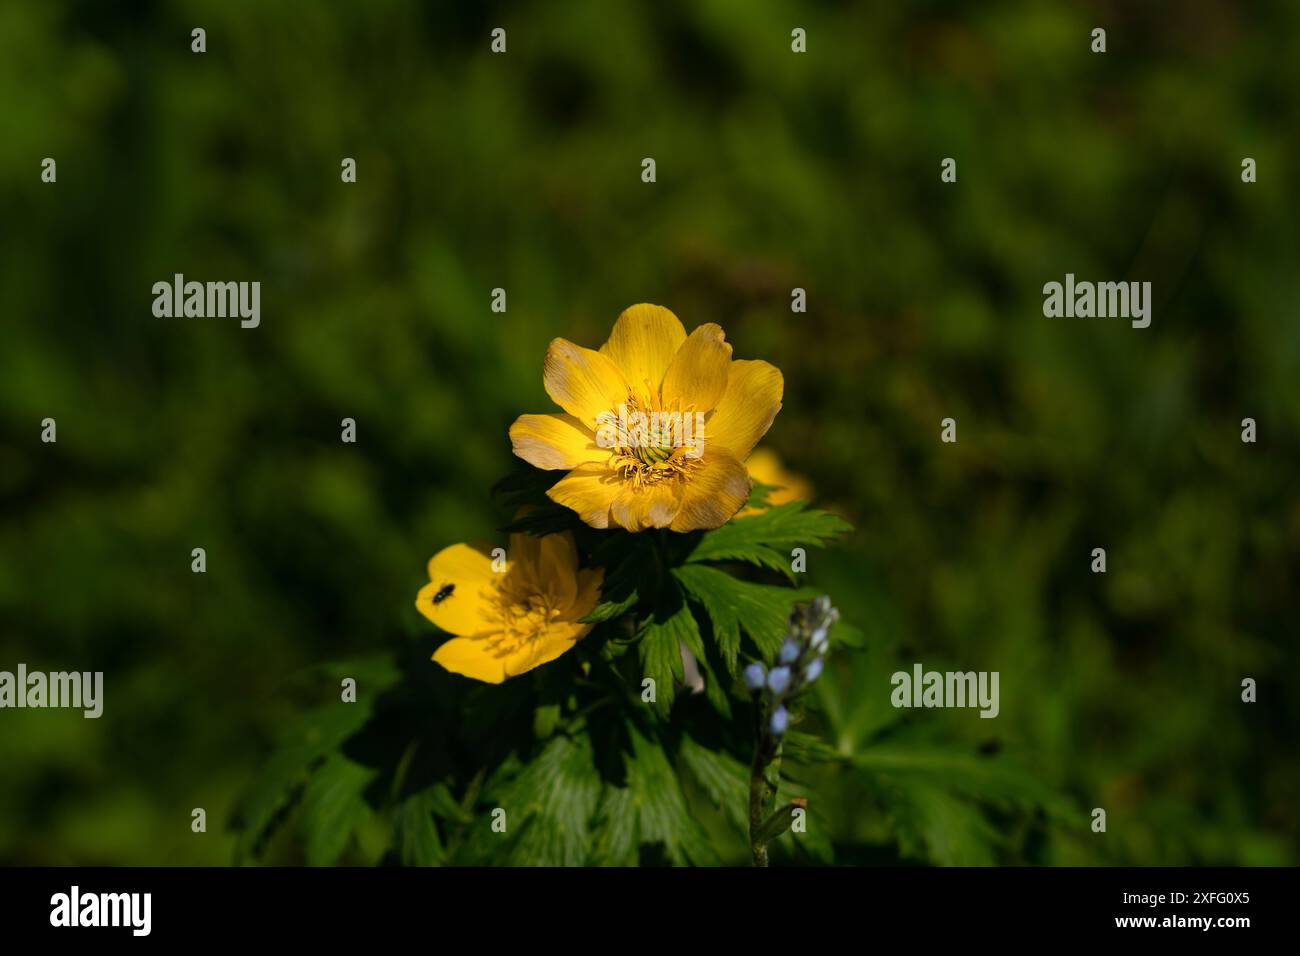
<point x="660" y="457"/>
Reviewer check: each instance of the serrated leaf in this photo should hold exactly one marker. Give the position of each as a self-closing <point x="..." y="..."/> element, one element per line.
<point x="758" y="494"/>
<point x="608" y="610"/>
<point x="663" y="815"/>
<point x="936" y="825"/>
<point x="443" y="804"/>
<point x="760" y="610"/>
<point x="715" y="687"/>
<point x="807" y="748"/>
<point x="616" y="828"/>
<point x="543" y="520"/>
<point x="661" y="654"/>
<point x="988" y="778"/>
<point x="722" y="777"/>
<point x="936" y="799"/>
<point x="550" y="805"/>
<point x="317" y="733"/>
<point x="630" y="563"/>
<point x="767" y="539"/>
<point x="333" y="806"/>
<point x="814" y="843"/>
<point x="650" y="812"/>
<point x="523" y="486"/>
<point x="416" y="834"/>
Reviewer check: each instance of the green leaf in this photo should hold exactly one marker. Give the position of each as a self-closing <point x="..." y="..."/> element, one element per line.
<point x="767" y="539"/>
<point x="989" y="778"/>
<point x="758" y="494"/>
<point x="550" y="805"/>
<point x="814" y="842"/>
<point x="935" y="797"/>
<point x="807" y="748"/>
<point x="931" y="823"/>
<point x="543" y="520"/>
<point x="779" y="822"/>
<point x="416" y="834"/>
<point x="545" y="719"/>
<point x="760" y="610"/>
<point x="715" y="687"/>
<point x="524" y="486"/>
<point x="663" y="815"/>
<point x="649" y="814"/>
<point x="617" y="829"/>
<point x="443" y="804"/>
<point x="661" y="654"/>
<point x="316" y="734"/>
<point x="333" y="806"/>
<point x="722" y="777"/>
<point x="631" y="564"/>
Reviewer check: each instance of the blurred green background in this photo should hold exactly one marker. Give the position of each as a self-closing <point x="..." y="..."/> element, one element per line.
<point x="775" y="171"/>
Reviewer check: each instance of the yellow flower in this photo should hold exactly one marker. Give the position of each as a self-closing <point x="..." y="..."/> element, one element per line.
<point x="651" y="368"/>
<point x="510" y="621"/>
<point x="766" y="468"/>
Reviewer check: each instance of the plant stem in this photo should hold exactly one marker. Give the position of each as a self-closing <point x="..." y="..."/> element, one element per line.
<point x="764" y="778"/>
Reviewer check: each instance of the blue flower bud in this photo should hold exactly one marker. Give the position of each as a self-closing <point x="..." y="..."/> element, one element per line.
<point x="819" y="639"/>
<point x="813" y="670"/>
<point x="789" y="651"/>
<point x="778" y="680"/>
<point x="780" y="721"/>
<point x="755" y="676"/>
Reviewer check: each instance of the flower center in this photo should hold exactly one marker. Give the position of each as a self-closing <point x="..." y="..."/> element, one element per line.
<point x="654" y="443"/>
<point x="524" y="614"/>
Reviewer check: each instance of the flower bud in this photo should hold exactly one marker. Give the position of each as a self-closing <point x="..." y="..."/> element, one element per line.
<point x="755" y="677"/>
<point x="813" y="670"/>
<point x="779" y="680"/>
<point x="780" y="721"/>
<point x="789" y="651"/>
<point x="819" y="639"/>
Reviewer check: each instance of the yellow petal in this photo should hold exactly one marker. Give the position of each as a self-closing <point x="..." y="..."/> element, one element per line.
<point x="559" y="637"/>
<point x="745" y="413"/>
<point x="467" y="608"/>
<point x="548" y="564"/>
<point x="583" y="382"/>
<point x="650" y="506"/>
<point x="589" y="490"/>
<point x="766" y="467"/>
<point x="642" y="344"/>
<point x="697" y="375"/>
<point x="559" y="557"/>
<point x="472" y="657"/>
<point x="713" y="493"/>
<point x="588" y="595"/>
<point x="554" y="441"/>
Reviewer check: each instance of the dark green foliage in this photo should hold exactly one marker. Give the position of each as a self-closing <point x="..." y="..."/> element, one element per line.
<point x="767" y="539"/>
<point x="588" y="769"/>
<point x="776" y="170"/>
